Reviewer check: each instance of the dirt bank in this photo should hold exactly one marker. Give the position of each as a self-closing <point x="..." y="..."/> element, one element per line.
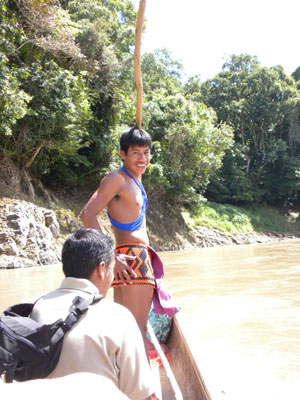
<point x="33" y="229"/>
<point x="166" y="227"/>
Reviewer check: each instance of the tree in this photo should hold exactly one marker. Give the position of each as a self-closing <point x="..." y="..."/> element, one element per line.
<point x="65" y="80"/>
<point x="161" y="72"/>
<point x="259" y="103"/>
<point x="13" y="100"/>
<point x="296" y="74"/>
<point x="69" y="69"/>
<point x="188" y="145"/>
<point x="46" y="26"/>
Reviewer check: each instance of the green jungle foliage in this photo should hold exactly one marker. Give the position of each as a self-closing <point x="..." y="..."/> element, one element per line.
<point x="246" y="219"/>
<point x="67" y="91"/>
<point x="262" y="107"/>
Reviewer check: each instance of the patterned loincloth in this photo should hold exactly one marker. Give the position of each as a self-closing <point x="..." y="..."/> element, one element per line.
<point x="141" y="265"/>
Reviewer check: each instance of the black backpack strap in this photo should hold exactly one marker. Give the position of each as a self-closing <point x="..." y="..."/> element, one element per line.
<point x="80" y="306"/>
<point x="10" y="372"/>
<point x="83" y="304"/>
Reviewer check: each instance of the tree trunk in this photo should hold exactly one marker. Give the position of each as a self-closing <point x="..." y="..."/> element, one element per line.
<point x="35" y="153"/>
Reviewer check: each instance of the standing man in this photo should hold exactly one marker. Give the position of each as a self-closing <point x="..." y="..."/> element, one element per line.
<point x="122" y="192"/>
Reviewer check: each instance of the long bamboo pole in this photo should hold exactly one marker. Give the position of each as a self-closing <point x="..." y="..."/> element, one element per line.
<point x="165" y="362"/>
<point x="137" y="63"/>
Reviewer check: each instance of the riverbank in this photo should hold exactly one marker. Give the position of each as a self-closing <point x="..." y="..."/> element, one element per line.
<point x="34" y="221"/>
<point x="204" y="225"/>
<point x="175" y="229"/>
<point x="32" y="231"/>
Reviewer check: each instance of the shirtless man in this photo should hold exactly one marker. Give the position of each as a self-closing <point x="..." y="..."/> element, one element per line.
<point x="122" y="192"/>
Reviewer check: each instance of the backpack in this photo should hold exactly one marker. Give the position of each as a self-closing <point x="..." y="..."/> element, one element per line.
<point x="30" y="350"/>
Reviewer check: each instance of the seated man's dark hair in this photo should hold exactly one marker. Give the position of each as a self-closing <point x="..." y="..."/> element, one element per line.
<point x="135" y="137"/>
<point x="83" y="250"/>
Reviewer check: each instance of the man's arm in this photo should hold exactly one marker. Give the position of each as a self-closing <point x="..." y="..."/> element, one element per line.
<point x="107" y="190"/>
<point x="109" y="187"/>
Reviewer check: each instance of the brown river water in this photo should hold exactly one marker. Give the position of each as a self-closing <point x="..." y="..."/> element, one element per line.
<point x="243" y="307"/>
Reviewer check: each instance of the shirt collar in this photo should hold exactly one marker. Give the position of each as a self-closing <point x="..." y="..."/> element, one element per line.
<point x="81" y="284"/>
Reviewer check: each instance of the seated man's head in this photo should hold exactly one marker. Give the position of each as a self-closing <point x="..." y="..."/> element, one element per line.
<point x="135" y="148"/>
<point x="89" y="254"/>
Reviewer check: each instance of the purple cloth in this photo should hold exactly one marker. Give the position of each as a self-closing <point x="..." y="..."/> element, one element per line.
<point x="163" y="302"/>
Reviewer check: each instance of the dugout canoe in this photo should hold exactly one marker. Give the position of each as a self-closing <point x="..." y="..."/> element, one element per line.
<point x="189" y="383"/>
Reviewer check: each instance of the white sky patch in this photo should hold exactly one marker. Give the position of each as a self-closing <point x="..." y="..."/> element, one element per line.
<point x="203" y="33"/>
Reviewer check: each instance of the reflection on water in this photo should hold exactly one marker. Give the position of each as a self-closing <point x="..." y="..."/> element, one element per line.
<point x="242" y="304"/>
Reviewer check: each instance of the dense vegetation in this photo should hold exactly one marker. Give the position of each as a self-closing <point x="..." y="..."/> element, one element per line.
<point x="67" y="91"/>
<point x="243" y="219"/>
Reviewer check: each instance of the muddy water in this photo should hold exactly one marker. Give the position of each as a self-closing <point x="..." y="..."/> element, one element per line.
<point x="242" y="304"/>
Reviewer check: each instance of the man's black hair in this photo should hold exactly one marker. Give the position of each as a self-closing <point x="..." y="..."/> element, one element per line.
<point x="135" y="137"/>
<point x="84" y="250"/>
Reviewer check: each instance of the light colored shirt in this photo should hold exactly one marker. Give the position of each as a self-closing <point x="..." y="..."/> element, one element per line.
<point x="74" y="385"/>
<point x="105" y="341"/>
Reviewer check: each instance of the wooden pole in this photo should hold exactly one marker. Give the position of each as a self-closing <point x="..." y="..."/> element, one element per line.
<point x="137" y="63"/>
<point x="165" y="362"/>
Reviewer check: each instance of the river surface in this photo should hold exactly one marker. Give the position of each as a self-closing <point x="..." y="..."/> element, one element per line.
<point x="242" y="304"/>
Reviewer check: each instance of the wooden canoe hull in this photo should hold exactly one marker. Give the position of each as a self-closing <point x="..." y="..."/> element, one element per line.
<point x="184" y="366"/>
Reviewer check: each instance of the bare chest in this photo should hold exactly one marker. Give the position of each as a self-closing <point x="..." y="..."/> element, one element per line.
<point x="127" y="204"/>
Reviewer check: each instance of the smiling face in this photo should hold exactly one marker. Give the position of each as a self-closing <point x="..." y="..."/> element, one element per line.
<point x="136" y="159"/>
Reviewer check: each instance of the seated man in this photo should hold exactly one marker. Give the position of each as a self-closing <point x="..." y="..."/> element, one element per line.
<point x="106" y="340"/>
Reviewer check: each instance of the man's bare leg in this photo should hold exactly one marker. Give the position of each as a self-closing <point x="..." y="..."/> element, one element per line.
<point x="138" y="300"/>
